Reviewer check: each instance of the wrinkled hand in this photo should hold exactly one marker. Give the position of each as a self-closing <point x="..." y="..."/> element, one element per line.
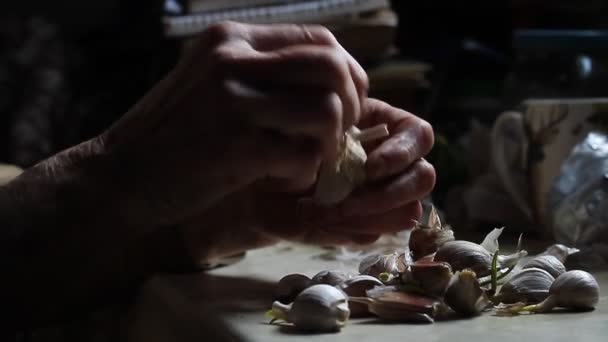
<point x="246" y="103"/>
<point x="398" y="178"/>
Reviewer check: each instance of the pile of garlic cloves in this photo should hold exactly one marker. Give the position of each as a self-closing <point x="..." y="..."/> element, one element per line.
<point x="436" y="277"/>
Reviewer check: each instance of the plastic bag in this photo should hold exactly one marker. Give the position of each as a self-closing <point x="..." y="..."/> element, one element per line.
<point x="579" y="200"/>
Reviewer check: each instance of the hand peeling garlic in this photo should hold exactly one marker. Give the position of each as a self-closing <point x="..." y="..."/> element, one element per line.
<point x="336" y="181"/>
<point x="319" y="308"/>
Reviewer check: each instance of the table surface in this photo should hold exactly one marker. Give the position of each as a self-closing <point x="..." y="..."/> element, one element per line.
<point x="229" y="303"/>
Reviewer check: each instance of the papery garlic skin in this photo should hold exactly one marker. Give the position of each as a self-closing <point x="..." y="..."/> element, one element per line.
<point x="376" y="264"/>
<point x="337" y="181"/>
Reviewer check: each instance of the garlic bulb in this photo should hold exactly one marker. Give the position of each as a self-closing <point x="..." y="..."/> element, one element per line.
<point x="464" y="294"/>
<point x="548" y="263"/>
<point x="462" y="255"/>
<point x="432" y="277"/>
<point x="290" y="286"/>
<point x="576" y="290"/>
<point x="330" y="277"/>
<point x="425" y="239"/>
<point x="336" y="181"/>
<point x="319" y="308"/>
<point x="376" y="264"/>
<point x="531" y="285"/>
<point x="358" y="286"/>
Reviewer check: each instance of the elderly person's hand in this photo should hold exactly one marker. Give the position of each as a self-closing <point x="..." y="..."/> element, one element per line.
<point x="246" y="103"/>
<point x="398" y="178"/>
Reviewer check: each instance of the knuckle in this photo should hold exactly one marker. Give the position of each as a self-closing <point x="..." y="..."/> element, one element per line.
<point x="320" y="34"/>
<point x="222" y="31"/>
<point x="334" y="63"/>
<point x="427" y="136"/>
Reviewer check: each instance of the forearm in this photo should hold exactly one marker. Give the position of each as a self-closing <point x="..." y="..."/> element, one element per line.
<point x="66" y="240"/>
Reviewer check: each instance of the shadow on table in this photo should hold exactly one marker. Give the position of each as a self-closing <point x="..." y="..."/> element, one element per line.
<point x="189" y="307"/>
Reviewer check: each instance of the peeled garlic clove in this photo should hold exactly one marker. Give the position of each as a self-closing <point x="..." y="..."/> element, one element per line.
<point x="376" y="264"/>
<point x="319" y="308"/>
<point x="290" y="286"/>
<point x="330" y="277"/>
<point x="358" y="287"/>
<point x="561" y="252"/>
<point x="432" y="277"/>
<point x="548" y="263"/>
<point x="462" y="255"/>
<point x="465" y="295"/>
<point x="531" y="285"/>
<point x="336" y="181"/>
<point x="576" y="290"/>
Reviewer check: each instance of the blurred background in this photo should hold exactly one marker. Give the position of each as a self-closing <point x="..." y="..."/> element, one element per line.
<point x="70" y="68"/>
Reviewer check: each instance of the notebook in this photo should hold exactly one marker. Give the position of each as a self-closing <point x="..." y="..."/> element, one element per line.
<point x="311" y="11"/>
<point x="194" y="6"/>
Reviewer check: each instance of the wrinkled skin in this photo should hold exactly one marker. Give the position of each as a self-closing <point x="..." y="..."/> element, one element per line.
<point x="272" y="207"/>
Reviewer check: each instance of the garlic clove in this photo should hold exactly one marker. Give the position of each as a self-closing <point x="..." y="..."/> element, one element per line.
<point x="575" y="289"/>
<point x="425" y="239"/>
<point x="290" y="286"/>
<point x="548" y="263"/>
<point x="432" y="277"/>
<point x="358" y="287"/>
<point x="319" y="308"/>
<point x="464" y="294"/>
<point x="561" y="252"/>
<point x="336" y="181"/>
<point x="462" y="255"/>
<point x="530" y="285"/>
<point x="377" y="264"/>
<point x="391" y="303"/>
<point x="331" y="277"/>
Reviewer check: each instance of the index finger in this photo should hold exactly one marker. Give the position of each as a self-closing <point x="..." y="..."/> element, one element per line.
<point x="411" y="139"/>
<point x="278" y="36"/>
